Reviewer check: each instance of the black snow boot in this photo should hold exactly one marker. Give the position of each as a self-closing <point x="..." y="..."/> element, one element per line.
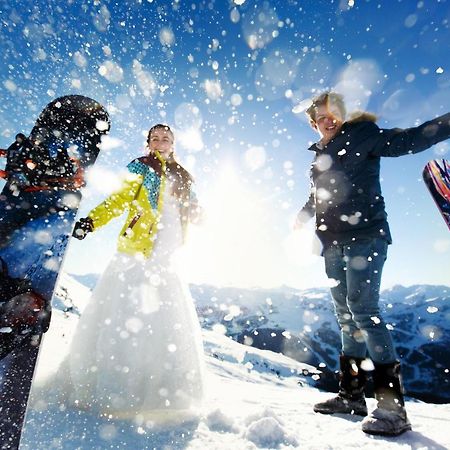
<point x="350" y="399"/>
<point x="389" y="418"/>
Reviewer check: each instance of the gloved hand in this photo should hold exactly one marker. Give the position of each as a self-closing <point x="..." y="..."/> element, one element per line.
<point x="83" y="227"/>
<point x="18" y="180"/>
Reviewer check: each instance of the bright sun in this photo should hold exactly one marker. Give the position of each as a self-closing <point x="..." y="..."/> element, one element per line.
<point x="239" y="243"/>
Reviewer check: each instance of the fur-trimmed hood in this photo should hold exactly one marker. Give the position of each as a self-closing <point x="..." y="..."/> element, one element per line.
<point x="361" y="116"/>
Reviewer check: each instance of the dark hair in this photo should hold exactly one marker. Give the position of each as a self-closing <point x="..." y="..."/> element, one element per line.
<point x="325" y="99"/>
<point x="181" y="177"/>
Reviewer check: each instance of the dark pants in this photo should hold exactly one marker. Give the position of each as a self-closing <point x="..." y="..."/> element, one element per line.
<point x="355" y="273"/>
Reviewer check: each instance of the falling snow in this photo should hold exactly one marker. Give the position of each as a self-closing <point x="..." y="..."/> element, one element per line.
<point x="234" y="78"/>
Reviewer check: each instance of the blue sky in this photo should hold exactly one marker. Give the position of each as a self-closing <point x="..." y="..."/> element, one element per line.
<point x="232" y="78"/>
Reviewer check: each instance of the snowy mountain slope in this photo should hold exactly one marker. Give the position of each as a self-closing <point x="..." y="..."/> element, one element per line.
<point x="301" y="324"/>
<point x="256" y="399"/>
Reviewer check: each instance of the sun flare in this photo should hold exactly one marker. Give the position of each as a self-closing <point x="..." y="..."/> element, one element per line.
<point x="239" y="242"/>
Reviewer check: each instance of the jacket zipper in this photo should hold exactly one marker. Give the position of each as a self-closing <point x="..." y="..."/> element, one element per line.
<point x="132" y="224"/>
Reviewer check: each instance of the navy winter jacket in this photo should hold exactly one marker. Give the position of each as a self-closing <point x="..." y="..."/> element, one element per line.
<point x="345" y="176"/>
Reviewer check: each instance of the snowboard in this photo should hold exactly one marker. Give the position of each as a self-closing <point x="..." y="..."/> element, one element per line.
<point x="436" y="175"/>
<point x="44" y="174"/>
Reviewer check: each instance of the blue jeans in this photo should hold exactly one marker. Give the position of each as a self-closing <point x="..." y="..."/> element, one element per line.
<point x="356" y="270"/>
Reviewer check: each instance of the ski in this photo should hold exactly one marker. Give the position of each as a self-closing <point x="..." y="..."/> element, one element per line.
<point x="436" y="175"/>
<point x="44" y="174"/>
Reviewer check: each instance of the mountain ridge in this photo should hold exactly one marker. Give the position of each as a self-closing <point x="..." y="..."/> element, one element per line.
<point x="301" y="325"/>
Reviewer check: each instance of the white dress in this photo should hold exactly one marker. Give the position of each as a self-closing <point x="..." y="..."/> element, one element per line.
<point x="137" y="349"/>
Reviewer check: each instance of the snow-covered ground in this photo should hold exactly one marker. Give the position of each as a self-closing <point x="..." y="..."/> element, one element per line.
<point x="255" y="399"/>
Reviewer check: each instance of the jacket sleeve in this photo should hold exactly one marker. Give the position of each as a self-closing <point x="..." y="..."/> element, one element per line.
<point x="117" y="202"/>
<point x="307" y="211"/>
<point x="398" y="142"/>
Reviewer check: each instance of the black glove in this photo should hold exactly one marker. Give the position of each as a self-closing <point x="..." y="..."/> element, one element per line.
<point x="83" y="227"/>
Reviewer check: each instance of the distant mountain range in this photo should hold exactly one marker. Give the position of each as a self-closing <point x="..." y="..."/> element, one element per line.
<point x="301" y="324"/>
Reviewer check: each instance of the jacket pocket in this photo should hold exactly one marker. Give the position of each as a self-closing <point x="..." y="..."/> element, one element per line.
<point x="130" y="227"/>
<point x="345" y="216"/>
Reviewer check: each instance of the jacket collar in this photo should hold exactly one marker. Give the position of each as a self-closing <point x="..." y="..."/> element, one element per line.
<point x="355" y="118"/>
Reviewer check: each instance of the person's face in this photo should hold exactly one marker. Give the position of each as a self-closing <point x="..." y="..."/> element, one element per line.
<point x="328" y="121"/>
<point x="161" y="140"/>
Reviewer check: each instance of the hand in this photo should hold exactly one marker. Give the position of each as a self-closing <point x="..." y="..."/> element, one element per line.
<point x="297" y="225"/>
<point x="18" y="179"/>
<point x="83" y="227"/>
<point x="301" y="220"/>
<point x="196" y="214"/>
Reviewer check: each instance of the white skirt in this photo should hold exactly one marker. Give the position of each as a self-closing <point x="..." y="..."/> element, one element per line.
<point x="137" y="348"/>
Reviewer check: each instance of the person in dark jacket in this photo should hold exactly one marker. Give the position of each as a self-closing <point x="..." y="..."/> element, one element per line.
<point x="351" y="222"/>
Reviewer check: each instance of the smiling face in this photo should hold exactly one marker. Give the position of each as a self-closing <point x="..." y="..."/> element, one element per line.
<point x="161" y="140"/>
<point x="328" y="121"/>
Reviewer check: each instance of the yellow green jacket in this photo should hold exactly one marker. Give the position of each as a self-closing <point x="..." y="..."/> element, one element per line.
<point x="142" y="194"/>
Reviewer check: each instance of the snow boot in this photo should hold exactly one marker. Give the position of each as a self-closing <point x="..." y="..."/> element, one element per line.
<point x="350" y="399"/>
<point x="389" y="418"/>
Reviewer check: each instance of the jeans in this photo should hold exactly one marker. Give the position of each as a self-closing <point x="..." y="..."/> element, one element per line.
<point x="355" y="271"/>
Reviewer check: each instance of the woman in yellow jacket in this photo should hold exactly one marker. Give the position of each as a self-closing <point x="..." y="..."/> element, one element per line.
<point x="137" y="350"/>
<point x="141" y="195"/>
